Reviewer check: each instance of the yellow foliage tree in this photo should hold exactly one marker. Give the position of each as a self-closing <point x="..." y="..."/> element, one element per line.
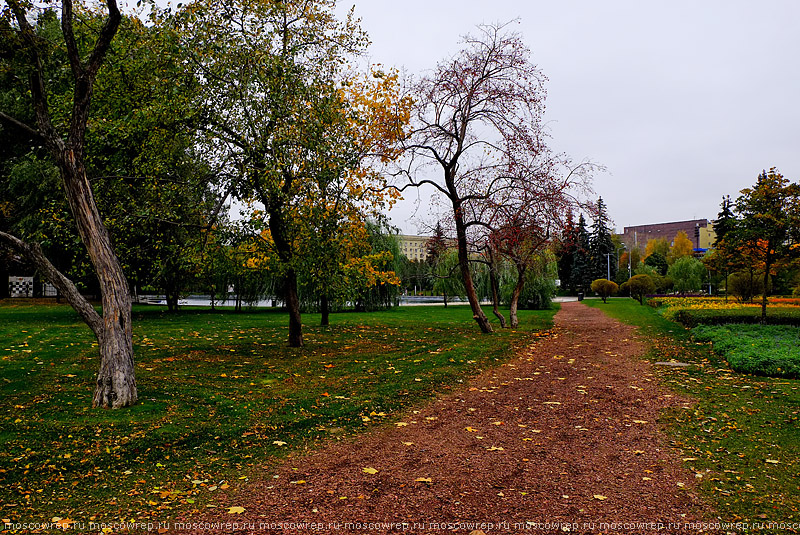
<point x="656" y="245"/>
<point x="681" y="246"/>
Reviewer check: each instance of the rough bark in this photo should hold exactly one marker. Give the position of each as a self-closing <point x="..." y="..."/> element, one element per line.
<point x="116" y="382"/>
<point x="277" y="227"/>
<point x="293" y="305"/>
<point x="514" y="305"/>
<point x="463" y="262"/>
<point x="495" y="290"/>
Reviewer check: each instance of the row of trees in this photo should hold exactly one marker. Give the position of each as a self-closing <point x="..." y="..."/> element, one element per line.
<point x="256" y="101"/>
<point x="756" y="249"/>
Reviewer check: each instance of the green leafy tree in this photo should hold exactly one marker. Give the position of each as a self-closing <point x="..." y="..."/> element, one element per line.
<point x="687" y="274"/>
<point x="604" y="288"/>
<point x="639" y="286"/>
<point x="281" y="111"/>
<point x="447" y="281"/>
<point x="656" y="245"/>
<point x="744" y="285"/>
<point x="657" y="261"/>
<point x="768" y="225"/>
<point x="540" y="287"/>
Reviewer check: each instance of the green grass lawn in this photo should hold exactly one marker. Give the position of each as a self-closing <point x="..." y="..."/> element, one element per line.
<point x="219" y="394"/>
<point x="742" y="436"/>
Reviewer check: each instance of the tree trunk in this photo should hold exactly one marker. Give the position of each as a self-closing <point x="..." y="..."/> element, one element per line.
<point x="445" y="299"/>
<point x="463" y="263"/>
<point x="495" y="291"/>
<point x="512" y="313"/>
<point x="293" y="305"/>
<point x="172" y="301"/>
<point x="116" y="382"/>
<point x="767" y="266"/>
<point x="325" y="309"/>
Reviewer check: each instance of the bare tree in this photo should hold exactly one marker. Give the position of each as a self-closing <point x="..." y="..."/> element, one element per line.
<point x="471" y="111"/>
<point x="116" y="383"/>
<point x="479" y="123"/>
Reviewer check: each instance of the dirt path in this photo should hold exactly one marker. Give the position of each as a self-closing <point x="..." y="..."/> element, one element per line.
<point x="565" y="433"/>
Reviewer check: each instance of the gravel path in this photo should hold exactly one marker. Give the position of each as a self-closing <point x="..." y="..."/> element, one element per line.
<point x="562" y="438"/>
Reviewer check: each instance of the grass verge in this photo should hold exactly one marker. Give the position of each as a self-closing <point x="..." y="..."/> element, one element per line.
<point x="741" y="438"/>
<point x="220" y="394"/>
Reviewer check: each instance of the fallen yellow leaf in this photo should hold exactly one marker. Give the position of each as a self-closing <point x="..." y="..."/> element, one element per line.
<point x="423" y="480"/>
<point x="370" y="471"/>
<point x="235" y="510"/>
<point x="600" y="497"/>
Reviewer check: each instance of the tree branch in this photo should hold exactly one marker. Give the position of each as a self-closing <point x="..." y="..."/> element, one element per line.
<point x="33" y="252"/>
<point x="22" y="126"/>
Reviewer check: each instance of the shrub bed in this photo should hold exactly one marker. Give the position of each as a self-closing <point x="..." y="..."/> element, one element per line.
<point x="768" y="350"/>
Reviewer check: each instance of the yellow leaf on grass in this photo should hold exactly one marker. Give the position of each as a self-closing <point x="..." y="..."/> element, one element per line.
<point x="371" y="471"/>
<point x="600" y="497"/>
<point x="471" y="429"/>
<point x="298" y="482"/>
<point x="235" y="510"/>
<point x="640" y="421"/>
<point x="401" y="424"/>
<point x="408" y="443"/>
<point x="279" y="442"/>
<point x="423" y="480"/>
<point x="495" y="448"/>
<point x="772" y="461"/>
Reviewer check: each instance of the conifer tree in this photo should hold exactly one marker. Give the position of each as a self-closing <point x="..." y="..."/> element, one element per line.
<point x="582" y="267"/>
<point x="601" y="245"/>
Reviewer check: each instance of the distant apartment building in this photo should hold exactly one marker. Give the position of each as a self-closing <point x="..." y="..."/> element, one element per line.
<point x="700" y="232"/>
<point x="414" y="247"/>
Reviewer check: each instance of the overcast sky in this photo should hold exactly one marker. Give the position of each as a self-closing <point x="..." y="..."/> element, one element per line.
<point x="681" y="101"/>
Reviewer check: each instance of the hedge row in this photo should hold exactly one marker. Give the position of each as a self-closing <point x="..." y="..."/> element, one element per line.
<point x="775" y="316"/>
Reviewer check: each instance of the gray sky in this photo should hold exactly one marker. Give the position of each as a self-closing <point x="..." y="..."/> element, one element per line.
<point x="681" y="101"/>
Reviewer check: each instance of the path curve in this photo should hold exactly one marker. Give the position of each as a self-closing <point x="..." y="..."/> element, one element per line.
<point x="564" y="433"/>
